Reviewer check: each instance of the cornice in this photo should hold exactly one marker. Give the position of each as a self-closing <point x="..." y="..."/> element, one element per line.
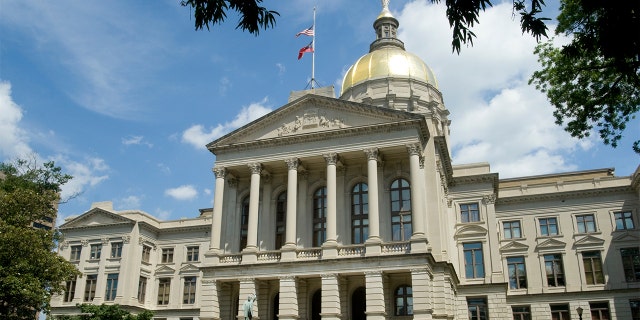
<point x="323" y="135"/>
<point x="177" y="229"/>
<point x="331" y="103"/>
<point x="563" y="195"/>
<point x="477" y="178"/>
<point x="443" y="152"/>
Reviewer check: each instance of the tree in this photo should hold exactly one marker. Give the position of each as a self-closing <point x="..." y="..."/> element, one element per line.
<point x="107" y="312"/>
<point x="594" y="81"/>
<point x="30" y="271"/>
<point x="252" y="15"/>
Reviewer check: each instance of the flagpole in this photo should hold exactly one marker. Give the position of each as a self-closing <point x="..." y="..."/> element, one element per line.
<point x="313" y="45"/>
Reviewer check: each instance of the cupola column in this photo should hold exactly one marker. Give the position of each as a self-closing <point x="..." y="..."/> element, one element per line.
<point x="374" y="214"/>
<point x="254" y="201"/>
<point x="292" y="195"/>
<point x="417" y="210"/>
<point x="332" y="160"/>
<point x="216" y="221"/>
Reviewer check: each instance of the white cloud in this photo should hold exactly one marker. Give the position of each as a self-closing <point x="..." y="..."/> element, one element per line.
<point x="496" y="116"/>
<point x="14" y="141"/>
<point x="130" y="202"/>
<point x="162" y="214"/>
<point x="89" y="173"/>
<point x="281" y="68"/>
<point x="136" y="140"/>
<point x="185" y="192"/>
<point x="164" y="168"/>
<point x="225" y="85"/>
<point x="198" y="136"/>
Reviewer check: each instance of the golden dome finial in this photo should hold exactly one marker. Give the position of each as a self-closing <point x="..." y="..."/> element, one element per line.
<point x="385" y="9"/>
<point x="385" y="4"/>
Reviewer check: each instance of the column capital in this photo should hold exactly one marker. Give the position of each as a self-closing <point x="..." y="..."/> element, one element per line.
<point x="372" y="153"/>
<point x="414" y="149"/>
<point x="255" y="167"/>
<point x="489" y="198"/>
<point x="331" y="158"/>
<point x="220" y="172"/>
<point x="292" y="163"/>
<point x="287" y="277"/>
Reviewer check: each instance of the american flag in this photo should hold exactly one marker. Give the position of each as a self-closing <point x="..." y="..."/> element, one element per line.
<point x="306" y="32"/>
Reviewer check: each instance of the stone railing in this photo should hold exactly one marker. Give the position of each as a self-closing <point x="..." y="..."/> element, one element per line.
<point x="269" y="256"/>
<point x="231" y="258"/>
<point x="396" y="247"/>
<point x="309" y="254"/>
<point x="356" y="250"/>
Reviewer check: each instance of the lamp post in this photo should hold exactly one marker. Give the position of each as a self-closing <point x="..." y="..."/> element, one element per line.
<point x="579" y="309"/>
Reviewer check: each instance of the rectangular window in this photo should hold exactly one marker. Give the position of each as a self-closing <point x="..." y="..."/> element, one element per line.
<point x="116" y="249"/>
<point x="189" y="295"/>
<point x="75" y="253"/>
<point x="164" y="288"/>
<point x="635" y="309"/>
<point x="146" y="253"/>
<point x="96" y="249"/>
<point x="473" y="260"/>
<point x="90" y="287"/>
<point x="560" y="312"/>
<point x="631" y="263"/>
<point x="192" y="253"/>
<point x="554" y="270"/>
<point x="548" y="226"/>
<point x="517" y="273"/>
<point x="477" y="308"/>
<point x="167" y="255"/>
<point x="521" y="312"/>
<point x="624" y="220"/>
<point x="511" y="229"/>
<point x="599" y="310"/>
<point x="142" y="289"/>
<point x="112" y="287"/>
<point x="593" y="267"/>
<point x="586" y="223"/>
<point x="469" y="212"/>
<point x="70" y="290"/>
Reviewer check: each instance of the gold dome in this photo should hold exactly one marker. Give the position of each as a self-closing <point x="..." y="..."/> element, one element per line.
<point x="386" y="62"/>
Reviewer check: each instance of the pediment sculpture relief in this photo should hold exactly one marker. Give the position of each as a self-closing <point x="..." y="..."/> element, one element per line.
<point x="310" y="120"/>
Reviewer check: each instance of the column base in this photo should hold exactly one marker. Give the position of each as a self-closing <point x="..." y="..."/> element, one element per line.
<point x="419" y="244"/>
<point x="212" y="257"/>
<point x="288" y="252"/>
<point x="330" y="249"/>
<point x="373" y="247"/>
<point x="249" y="255"/>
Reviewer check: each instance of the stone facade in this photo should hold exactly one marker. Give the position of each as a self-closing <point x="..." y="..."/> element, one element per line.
<point x="350" y="208"/>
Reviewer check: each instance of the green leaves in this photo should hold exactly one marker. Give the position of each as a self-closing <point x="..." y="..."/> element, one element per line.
<point x="252" y="16"/>
<point x="30" y="271"/>
<point x="107" y="312"/>
<point x="594" y="81"/>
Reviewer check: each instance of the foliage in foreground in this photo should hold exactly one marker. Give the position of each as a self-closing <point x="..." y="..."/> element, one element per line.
<point x="30" y="271"/>
<point x="106" y="312"/>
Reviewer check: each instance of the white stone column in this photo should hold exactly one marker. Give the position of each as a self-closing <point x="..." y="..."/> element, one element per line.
<point x="374" y="213"/>
<point x="375" y="308"/>
<point x="247" y="288"/>
<point x="331" y="309"/>
<point x="421" y="287"/>
<point x="216" y="221"/>
<point x="288" y="299"/>
<point x="209" y="303"/>
<point x="254" y="201"/>
<point x="292" y="195"/>
<point x="332" y="160"/>
<point x="417" y="210"/>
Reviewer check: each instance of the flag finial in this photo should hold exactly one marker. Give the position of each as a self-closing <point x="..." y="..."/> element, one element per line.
<point x="385" y="4"/>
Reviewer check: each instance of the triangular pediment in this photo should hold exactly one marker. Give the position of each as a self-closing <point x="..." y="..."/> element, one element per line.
<point x="189" y="268"/>
<point x="96" y="217"/>
<point x="514" y="246"/>
<point x="589" y="241"/>
<point x="471" y="231"/>
<point x="164" y="269"/>
<point x="626" y="237"/>
<point x="551" y="244"/>
<point x="313" y="114"/>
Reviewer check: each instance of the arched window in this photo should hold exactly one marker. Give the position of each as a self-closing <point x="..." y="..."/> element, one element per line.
<point x="404" y="301"/>
<point x="359" y="213"/>
<point x="319" y="216"/>
<point x="244" y="223"/>
<point x="281" y="219"/>
<point x="400" y="210"/>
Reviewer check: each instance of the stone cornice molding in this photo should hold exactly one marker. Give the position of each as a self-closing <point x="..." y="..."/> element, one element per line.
<point x="287" y="278"/>
<point x="317" y="101"/>
<point x="564" y="195"/>
<point x="443" y="153"/>
<point x="491" y="178"/>
<point x="323" y="135"/>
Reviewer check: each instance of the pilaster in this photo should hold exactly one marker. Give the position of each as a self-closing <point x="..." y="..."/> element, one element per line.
<point x="374" y="283"/>
<point x="288" y="298"/>
<point x="330" y="297"/>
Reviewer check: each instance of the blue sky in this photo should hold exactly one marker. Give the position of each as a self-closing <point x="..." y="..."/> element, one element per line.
<point x="125" y="94"/>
